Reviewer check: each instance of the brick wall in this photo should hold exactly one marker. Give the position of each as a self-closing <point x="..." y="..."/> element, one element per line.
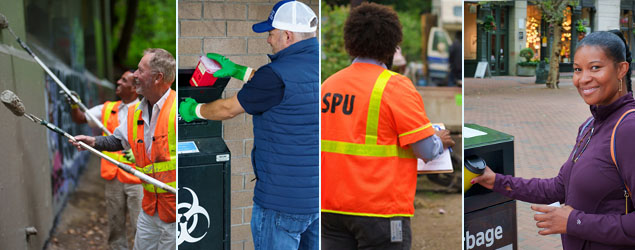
<point x="224" y="27"/>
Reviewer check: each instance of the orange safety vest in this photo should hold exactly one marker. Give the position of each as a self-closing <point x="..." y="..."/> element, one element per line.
<point x="161" y="164"/>
<point x="368" y="169"/>
<point x="108" y="170"/>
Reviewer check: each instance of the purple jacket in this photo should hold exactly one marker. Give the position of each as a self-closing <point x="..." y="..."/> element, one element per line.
<point x="591" y="185"/>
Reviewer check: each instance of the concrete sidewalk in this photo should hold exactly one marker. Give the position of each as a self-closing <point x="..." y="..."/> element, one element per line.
<point x="544" y="123"/>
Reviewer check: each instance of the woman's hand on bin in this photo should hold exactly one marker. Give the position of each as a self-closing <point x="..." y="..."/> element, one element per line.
<point x="187" y="110"/>
<point x="486" y="180"/>
<point x="229" y="68"/>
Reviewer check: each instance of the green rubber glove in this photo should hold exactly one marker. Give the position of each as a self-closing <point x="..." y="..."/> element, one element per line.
<point x="187" y="109"/>
<point x="129" y="156"/>
<point x="229" y="68"/>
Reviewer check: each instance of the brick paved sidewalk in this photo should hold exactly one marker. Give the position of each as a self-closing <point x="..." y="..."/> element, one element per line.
<point x="544" y="124"/>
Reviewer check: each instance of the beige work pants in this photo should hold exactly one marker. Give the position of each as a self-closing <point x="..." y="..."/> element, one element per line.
<point x="153" y="233"/>
<point x="121" y="199"/>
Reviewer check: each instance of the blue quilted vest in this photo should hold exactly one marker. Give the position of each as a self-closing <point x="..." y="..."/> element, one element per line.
<point x="286" y="140"/>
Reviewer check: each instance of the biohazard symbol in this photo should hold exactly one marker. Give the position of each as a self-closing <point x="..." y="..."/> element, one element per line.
<point x="190" y="217"/>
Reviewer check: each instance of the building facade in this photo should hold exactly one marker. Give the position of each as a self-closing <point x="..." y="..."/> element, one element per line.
<point x="520" y="24"/>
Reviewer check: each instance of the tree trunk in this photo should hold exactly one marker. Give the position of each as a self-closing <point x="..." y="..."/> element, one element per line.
<point x="121" y="52"/>
<point x="554" y="57"/>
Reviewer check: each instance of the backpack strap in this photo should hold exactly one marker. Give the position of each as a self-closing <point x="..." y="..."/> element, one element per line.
<point x="612" y="147"/>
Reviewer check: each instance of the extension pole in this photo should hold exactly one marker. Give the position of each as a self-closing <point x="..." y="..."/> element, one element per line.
<point x="15" y="105"/>
<point x="4" y="23"/>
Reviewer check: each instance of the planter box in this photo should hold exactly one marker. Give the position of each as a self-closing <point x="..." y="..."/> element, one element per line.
<point x="526" y="70"/>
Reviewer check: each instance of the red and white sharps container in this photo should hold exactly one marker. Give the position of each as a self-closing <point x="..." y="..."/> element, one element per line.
<point x="204" y="72"/>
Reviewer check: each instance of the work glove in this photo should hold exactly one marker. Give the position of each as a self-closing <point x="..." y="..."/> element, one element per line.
<point x="229" y="68"/>
<point x="129" y="156"/>
<point x="69" y="100"/>
<point x="187" y="110"/>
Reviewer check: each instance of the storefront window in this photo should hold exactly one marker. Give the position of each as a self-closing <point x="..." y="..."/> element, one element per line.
<point x="565" y="38"/>
<point x="470" y="34"/>
<point x="533" y="30"/>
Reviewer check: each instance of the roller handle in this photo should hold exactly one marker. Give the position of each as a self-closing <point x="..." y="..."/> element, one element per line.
<point x="122" y="166"/>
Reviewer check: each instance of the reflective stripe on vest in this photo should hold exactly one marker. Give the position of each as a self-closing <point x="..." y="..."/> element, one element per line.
<point x="109" y="171"/>
<point x="370" y="147"/>
<point x="160" y="162"/>
<point x="157" y="167"/>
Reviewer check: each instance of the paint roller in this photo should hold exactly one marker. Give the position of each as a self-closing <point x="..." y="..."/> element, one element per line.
<point x="4" y="24"/>
<point x="15" y="105"/>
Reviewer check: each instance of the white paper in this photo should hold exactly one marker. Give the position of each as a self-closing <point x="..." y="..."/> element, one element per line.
<point x="555" y="204"/>
<point x="443" y="163"/>
<point x="470" y="132"/>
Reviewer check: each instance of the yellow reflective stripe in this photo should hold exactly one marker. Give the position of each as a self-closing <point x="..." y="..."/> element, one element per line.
<point x="367" y="214"/>
<point x="416" y="130"/>
<point x="109" y="107"/>
<point x="158" y="167"/>
<point x="171" y="132"/>
<point x="370" y="147"/>
<point x="372" y="119"/>
<point x="137" y="113"/>
<point x="349" y="148"/>
<point x="117" y="156"/>
<point x="151" y="188"/>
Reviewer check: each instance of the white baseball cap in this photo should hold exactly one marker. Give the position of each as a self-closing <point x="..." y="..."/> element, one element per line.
<point x="288" y="15"/>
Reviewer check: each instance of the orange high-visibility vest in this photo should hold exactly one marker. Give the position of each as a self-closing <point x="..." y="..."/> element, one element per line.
<point x="370" y="115"/>
<point x="108" y="170"/>
<point x="161" y="164"/>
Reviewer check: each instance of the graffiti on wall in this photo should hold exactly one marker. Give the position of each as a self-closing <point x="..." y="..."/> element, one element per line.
<point x="66" y="161"/>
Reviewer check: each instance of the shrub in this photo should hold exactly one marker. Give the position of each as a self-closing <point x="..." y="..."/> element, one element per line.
<point x="527" y="53"/>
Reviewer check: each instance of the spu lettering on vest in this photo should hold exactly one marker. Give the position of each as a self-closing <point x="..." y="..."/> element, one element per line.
<point x="481" y="238"/>
<point x="333" y="100"/>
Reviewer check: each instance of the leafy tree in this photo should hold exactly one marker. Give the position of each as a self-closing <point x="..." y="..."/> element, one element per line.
<point x="554" y="12"/>
<point x="334" y="56"/>
<point x="141" y="24"/>
<point x="417" y="6"/>
<point x="411" y="42"/>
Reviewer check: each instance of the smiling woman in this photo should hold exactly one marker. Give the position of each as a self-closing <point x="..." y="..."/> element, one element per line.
<point x="596" y="216"/>
<point x="600" y="66"/>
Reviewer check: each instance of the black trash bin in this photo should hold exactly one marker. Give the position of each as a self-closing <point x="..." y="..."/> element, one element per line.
<point x="203" y="207"/>
<point x="490" y="218"/>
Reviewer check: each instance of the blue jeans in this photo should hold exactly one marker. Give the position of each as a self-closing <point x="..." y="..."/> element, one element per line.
<point x="283" y="231"/>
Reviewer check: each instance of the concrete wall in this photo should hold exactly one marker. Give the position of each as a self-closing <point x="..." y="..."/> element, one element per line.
<point x="607" y="16"/>
<point x="441" y="106"/>
<point x="25" y="182"/>
<point x="224" y="27"/>
<point x="39" y="168"/>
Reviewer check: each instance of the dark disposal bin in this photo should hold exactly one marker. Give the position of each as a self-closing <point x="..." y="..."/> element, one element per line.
<point x="203" y="207"/>
<point x="490" y="218"/>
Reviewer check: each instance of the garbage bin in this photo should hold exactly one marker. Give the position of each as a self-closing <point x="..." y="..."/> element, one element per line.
<point x="203" y="207"/>
<point x="490" y="218"/>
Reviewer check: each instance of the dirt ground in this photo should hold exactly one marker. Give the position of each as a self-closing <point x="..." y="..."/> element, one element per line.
<point x="437" y="221"/>
<point x="83" y="224"/>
